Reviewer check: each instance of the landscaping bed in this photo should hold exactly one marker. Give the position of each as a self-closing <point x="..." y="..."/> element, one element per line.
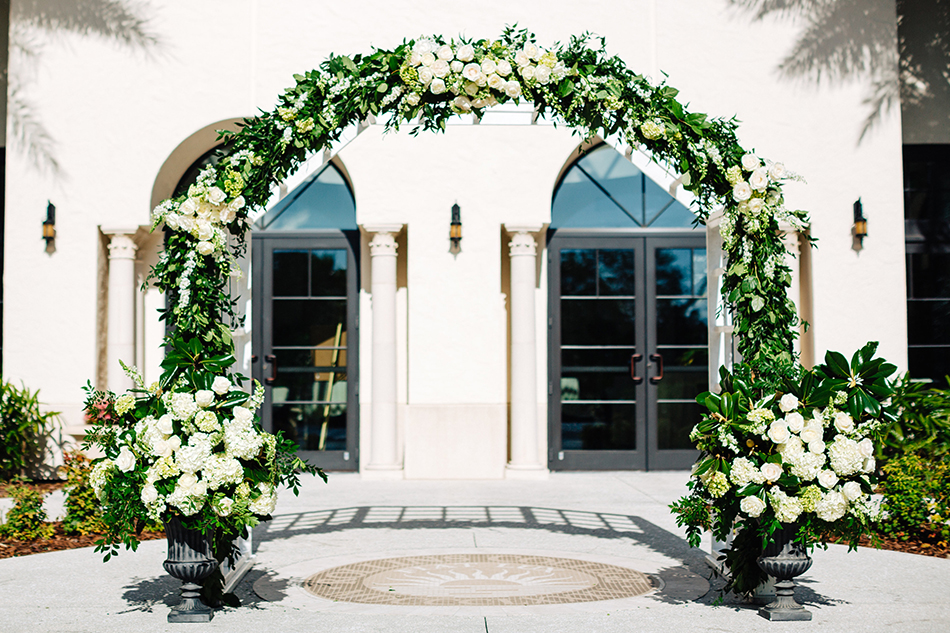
<point x="10" y="548"/>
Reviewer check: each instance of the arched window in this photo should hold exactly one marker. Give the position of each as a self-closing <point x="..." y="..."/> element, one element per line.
<point x="323" y="201"/>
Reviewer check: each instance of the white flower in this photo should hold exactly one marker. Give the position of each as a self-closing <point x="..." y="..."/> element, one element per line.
<point x="161" y="448"/>
<point x="187" y="481"/>
<point x="811" y="434"/>
<point x="221" y="385"/>
<point x="845" y="457"/>
<point x="242" y="414"/>
<point x="828" y="478"/>
<point x="513" y="89"/>
<point x="744" y="472"/>
<point x="237" y="204"/>
<point x="445" y="53"/>
<point x="472" y="72"/>
<point x="869" y="465"/>
<point x="752" y="506"/>
<point x="777" y="171"/>
<point x="427" y="59"/>
<point x="223" y="506"/>
<point x="489" y="66"/>
<point x="412" y="98"/>
<point x="532" y="50"/>
<point x="754" y="205"/>
<point x="742" y="191"/>
<point x="164" y="424"/>
<point x="866" y="447"/>
<point x="832" y="506"/>
<point x="817" y="447"/>
<point x="786" y="508"/>
<point x="227" y="215"/>
<point x="542" y="74"/>
<point x="504" y="68"/>
<point x="186" y="224"/>
<point x="149" y="494"/>
<point x="495" y="82"/>
<point x="471" y="88"/>
<point x="522" y="59"/>
<point x="528" y="72"/>
<point x="778" y="432"/>
<point x="788" y="403"/>
<point x="437" y="86"/>
<point x="851" y="490"/>
<point x="791" y="449"/>
<point x="415" y="58"/>
<point x="751" y="162"/>
<point x="172" y="221"/>
<point x="771" y="471"/>
<point x="806" y="466"/>
<point x="422" y="46"/>
<point x="456" y="66"/>
<point x="425" y="75"/>
<point x="440" y="69"/>
<point x="205" y="248"/>
<point x="205" y="230"/>
<point x="759" y="179"/>
<point x="204" y="398"/>
<point x="795" y="422"/>
<point x="126" y="460"/>
<point x="188" y="207"/>
<point x="843" y="422"/>
<point x="215" y="195"/>
<point x="465" y="53"/>
<point x="462" y="103"/>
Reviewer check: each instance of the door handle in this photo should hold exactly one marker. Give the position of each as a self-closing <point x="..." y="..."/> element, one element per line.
<point x="657" y="358"/>
<point x="636" y="358"/>
<point x="270" y="358"/>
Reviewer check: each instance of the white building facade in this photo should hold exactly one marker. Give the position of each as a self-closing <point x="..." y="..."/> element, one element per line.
<point x="564" y="330"/>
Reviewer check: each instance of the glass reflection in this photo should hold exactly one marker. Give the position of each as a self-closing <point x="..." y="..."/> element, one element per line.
<point x="601" y="426"/>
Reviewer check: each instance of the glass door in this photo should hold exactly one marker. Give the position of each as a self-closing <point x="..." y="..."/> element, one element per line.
<point x="628" y="350"/>
<point x="304" y="293"/>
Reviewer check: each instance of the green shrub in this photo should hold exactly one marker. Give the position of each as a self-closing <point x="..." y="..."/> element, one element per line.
<point x="83" y="512"/>
<point x="26" y="520"/>
<point x="916" y="497"/>
<point x="923" y="423"/>
<point x="21" y="426"/>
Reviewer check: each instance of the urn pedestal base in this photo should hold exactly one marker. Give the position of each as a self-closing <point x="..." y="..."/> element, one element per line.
<point x="189" y="560"/>
<point x="784" y="559"/>
<point x="785" y="609"/>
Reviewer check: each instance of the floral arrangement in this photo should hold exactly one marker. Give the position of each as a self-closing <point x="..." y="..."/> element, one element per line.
<point x="802" y="455"/>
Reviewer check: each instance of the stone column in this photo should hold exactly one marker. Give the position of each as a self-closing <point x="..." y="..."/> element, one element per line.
<point x="384" y="451"/>
<point x="525" y="460"/>
<point x="121" y="326"/>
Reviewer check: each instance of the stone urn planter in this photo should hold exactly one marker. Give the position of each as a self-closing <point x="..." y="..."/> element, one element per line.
<point x="190" y="560"/>
<point x="785" y="559"/>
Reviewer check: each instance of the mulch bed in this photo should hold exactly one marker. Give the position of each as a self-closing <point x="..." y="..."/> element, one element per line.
<point x="925" y="545"/>
<point x="10" y="548"/>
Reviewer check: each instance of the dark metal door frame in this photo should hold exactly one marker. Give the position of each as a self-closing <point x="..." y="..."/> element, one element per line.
<point x="263" y="245"/>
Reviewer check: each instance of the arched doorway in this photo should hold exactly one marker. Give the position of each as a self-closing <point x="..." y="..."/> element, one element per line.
<point x="304" y="288"/>
<point x="628" y="343"/>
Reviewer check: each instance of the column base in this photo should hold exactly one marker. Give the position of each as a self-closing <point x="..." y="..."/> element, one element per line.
<point x="533" y="473"/>
<point x="383" y="473"/>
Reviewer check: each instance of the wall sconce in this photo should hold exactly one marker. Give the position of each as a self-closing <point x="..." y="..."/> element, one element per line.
<point x="860" y="222"/>
<point x="49" y="225"/>
<point x="455" y="227"/>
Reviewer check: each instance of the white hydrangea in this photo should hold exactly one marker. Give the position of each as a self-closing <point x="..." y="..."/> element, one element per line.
<point x="791" y="450"/>
<point x="221" y="470"/>
<point x="845" y="456"/>
<point x="806" y="466"/>
<point x="744" y="472"/>
<point x="99" y="477"/>
<point x="192" y="458"/>
<point x="267" y="502"/>
<point x="183" y="405"/>
<point x="163" y="468"/>
<point x="832" y="506"/>
<point x="787" y="509"/>
<point x="242" y="440"/>
<point x="207" y="421"/>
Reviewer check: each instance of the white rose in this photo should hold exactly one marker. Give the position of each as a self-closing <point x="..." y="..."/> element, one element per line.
<point x="456" y="66"/>
<point x="532" y="50"/>
<point x="778" y="432"/>
<point x="205" y="248"/>
<point x="215" y="195"/>
<point x="471" y="88"/>
<point x="161" y="448"/>
<point x="795" y="422"/>
<point x="788" y="403"/>
<point x="149" y="494"/>
<point x="425" y="75"/>
<point x="866" y="447"/>
<point x="489" y="66"/>
<point x="811" y="434"/>
<point x="759" y="179"/>
<point x="542" y="74"/>
<point x="496" y="83"/>
<point x="175" y="442"/>
<point x="755" y="205"/>
<point x="188" y="207"/>
<point x="227" y="215"/>
<point x="242" y="414"/>
<point x="187" y="481"/>
<point x="869" y="465"/>
<point x="742" y="191"/>
<point x="437" y="86"/>
<point x="126" y="460"/>
<point x="220" y="385"/>
<point x="751" y="162"/>
<point x="777" y="171"/>
<point x="204" y="398"/>
<point x="528" y="72"/>
<point x="164" y="424"/>
<point x="752" y="506"/>
<point x="771" y="471"/>
<point x="237" y="204"/>
<point x="479" y="103"/>
<point x="445" y="53"/>
<point x="427" y="59"/>
<point x="440" y="69"/>
<point x="187" y="224"/>
<point x="422" y="46"/>
<point x="472" y="72"/>
<point x="504" y="68"/>
<point x="200" y="489"/>
<point x="828" y="478"/>
<point x="513" y="89"/>
<point x="412" y="98"/>
<point x="817" y="447"/>
<point x="522" y="59"/>
<point x="465" y="53"/>
<point x="172" y="221"/>
<point x="462" y="103"/>
<point x="205" y="231"/>
<point x="851" y="490"/>
<point x="843" y="422"/>
<point x="415" y="58"/>
<point x="223" y="507"/>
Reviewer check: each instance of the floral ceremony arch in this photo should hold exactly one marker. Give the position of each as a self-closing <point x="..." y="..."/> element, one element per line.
<point x="188" y="447"/>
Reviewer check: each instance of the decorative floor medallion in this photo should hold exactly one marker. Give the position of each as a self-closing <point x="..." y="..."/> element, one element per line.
<point x="477" y="580"/>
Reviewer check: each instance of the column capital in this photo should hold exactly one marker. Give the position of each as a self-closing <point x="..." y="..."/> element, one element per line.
<point x="122" y="246"/>
<point x="383" y="244"/>
<point x="522" y="243"/>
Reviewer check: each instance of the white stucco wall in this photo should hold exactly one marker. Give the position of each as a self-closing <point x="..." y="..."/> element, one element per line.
<point x="116" y="115"/>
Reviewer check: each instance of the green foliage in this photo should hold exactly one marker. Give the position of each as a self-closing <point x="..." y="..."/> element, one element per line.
<point x="922" y="424"/>
<point x="916" y="496"/>
<point x="21" y="426"/>
<point x="83" y="511"/>
<point x="26" y="520"/>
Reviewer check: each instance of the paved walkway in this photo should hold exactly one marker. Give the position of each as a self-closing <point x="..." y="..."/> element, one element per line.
<point x="600" y="521"/>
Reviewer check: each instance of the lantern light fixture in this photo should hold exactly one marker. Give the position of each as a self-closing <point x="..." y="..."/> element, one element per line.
<point x="455" y="227"/>
<point x="860" y="222"/>
<point x="49" y="224"/>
